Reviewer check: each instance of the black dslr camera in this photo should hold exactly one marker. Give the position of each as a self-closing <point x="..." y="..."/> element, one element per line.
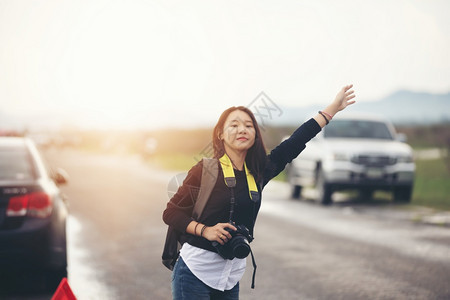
<point x="239" y="244"/>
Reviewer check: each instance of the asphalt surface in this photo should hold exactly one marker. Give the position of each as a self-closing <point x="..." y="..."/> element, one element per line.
<point x="351" y="250"/>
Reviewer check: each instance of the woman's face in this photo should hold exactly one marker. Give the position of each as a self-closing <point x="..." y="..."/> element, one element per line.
<point x="238" y="132"/>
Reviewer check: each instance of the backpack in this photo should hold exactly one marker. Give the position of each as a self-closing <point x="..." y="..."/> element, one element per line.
<point x="172" y="244"/>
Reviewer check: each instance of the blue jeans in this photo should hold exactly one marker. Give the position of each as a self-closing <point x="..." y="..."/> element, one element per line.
<point x="186" y="286"/>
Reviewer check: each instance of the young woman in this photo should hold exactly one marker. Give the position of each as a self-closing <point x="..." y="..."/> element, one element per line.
<point x="201" y="271"/>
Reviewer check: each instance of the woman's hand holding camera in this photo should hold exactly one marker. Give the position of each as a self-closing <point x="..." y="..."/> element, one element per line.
<point x="218" y="233"/>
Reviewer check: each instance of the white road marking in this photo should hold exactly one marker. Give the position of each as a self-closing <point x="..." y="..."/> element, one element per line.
<point x="83" y="279"/>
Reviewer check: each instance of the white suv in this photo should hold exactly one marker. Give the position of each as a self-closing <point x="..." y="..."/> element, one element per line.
<point x="355" y="152"/>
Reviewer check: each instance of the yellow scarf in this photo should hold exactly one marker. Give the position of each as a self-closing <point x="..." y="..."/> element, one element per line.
<point x="230" y="179"/>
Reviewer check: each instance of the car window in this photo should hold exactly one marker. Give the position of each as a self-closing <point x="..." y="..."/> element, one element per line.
<point x="357" y="129"/>
<point x="15" y="164"/>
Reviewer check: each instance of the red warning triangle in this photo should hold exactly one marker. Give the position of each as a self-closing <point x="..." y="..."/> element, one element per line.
<point x="63" y="292"/>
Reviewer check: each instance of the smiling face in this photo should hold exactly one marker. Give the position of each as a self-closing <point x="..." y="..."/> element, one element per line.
<point x="238" y="132"/>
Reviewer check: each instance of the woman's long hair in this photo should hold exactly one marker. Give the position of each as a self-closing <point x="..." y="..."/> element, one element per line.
<point x="256" y="155"/>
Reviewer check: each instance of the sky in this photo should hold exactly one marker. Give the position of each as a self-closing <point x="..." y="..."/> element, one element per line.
<point x="151" y="64"/>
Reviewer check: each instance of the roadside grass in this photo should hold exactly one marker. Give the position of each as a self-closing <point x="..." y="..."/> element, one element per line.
<point x="174" y="161"/>
<point x="431" y="186"/>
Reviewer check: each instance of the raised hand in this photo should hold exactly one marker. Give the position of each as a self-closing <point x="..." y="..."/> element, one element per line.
<point x="343" y="98"/>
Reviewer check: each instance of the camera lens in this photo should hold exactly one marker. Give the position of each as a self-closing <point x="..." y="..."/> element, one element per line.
<point x="240" y="246"/>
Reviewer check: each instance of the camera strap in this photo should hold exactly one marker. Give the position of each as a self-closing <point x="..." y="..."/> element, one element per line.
<point x="230" y="179"/>
<point x="254" y="268"/>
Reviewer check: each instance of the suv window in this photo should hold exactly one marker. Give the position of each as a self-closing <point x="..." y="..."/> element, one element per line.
<point x="15" y="164"/>
<point x="357" y="129"/>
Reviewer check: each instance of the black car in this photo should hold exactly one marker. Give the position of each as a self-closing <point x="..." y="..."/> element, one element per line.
<point x="33" y="211"/>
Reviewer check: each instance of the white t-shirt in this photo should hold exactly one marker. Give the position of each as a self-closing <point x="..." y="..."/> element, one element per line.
<point x="213" y="270"/>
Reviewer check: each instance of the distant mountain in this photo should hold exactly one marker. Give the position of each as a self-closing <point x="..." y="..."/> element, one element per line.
<point x="401" y="108"/>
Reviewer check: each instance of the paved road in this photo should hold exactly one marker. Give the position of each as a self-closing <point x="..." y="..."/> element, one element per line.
<point x="351" y="250"/>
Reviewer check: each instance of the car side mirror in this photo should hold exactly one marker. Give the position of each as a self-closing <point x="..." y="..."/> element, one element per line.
<point x="401" y="137"/>
<point x="60" y="176"/>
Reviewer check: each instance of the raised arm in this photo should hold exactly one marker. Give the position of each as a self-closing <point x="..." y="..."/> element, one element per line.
<point x="291" y="148"/>
<point x="342" y="100"/>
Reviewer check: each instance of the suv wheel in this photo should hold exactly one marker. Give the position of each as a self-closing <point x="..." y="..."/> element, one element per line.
<point x="366" y="193"/>
<point x="403" y="194"/>
<point x="324" y="189"/>
<point x="296" y="191"/>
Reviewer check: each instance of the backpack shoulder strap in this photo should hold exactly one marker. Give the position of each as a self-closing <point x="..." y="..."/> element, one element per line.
<point x="209" y="177"/>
